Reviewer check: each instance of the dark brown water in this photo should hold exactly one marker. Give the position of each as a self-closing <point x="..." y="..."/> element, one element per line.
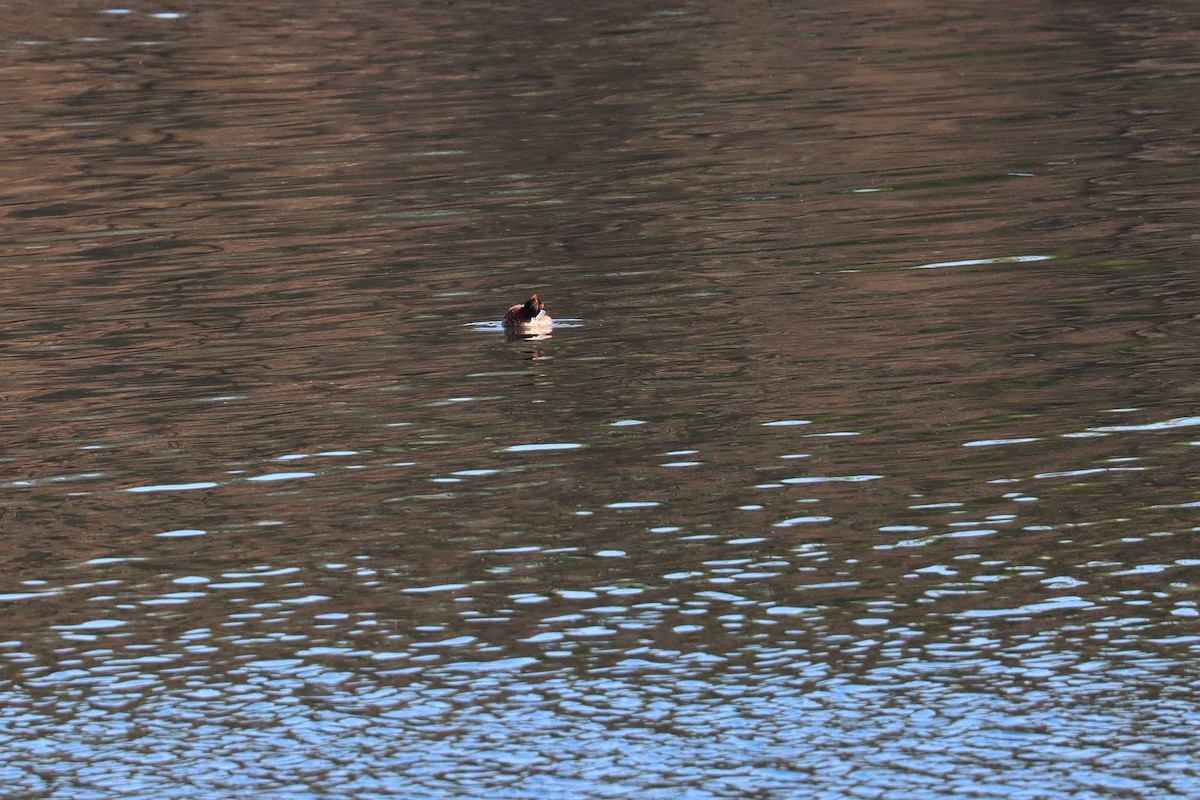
<point x="862" y="462"/>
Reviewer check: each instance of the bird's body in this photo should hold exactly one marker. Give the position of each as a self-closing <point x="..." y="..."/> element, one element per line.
<point x="529" y="317"/>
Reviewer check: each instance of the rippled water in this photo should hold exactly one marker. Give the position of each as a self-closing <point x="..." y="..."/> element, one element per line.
<point x="860" y="463"/>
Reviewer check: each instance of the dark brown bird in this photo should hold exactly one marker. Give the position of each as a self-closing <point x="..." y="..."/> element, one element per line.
<point x="529" y="317"/>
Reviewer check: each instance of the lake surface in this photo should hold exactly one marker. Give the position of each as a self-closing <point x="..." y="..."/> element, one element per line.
<point x="862" y="463"/>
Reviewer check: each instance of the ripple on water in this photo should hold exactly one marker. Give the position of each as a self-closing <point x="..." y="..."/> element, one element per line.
<point x="543" y="447"/>
<point x="173" y="487"/>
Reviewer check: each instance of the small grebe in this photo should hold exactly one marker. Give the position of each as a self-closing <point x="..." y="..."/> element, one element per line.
<point x="530" y="317"/>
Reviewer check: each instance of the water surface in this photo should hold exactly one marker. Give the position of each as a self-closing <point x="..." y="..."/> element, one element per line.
<point x="862" y="464"/>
